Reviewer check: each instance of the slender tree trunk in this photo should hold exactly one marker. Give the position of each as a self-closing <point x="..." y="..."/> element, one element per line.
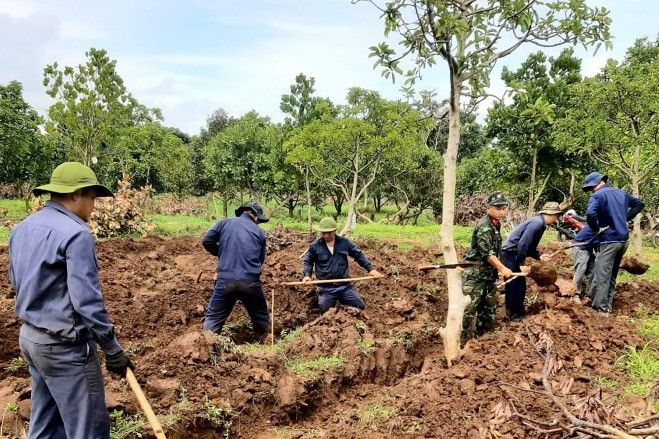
<point x="307" y="185"/>
<point x="531" y="204"/>
<point x="637" y="235"/>
<point x="352" y="202"/>
<point x="457" y="302"/>
<point x="225" y="206"/>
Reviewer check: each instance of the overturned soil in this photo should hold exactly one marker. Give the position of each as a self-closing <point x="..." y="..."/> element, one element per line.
<point x="348" y="373"/>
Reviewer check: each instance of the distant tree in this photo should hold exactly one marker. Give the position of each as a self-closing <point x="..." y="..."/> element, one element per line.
<point x="25" y="155"/>
<point x="613" y="118"/>
<point x="236" y="159"/>
<point x="215" y="123"/>
<point x="540" y="95"/>
<point x="92" y="106"/>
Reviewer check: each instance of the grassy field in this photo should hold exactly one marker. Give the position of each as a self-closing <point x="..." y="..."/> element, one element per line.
<point x="423" y="234"/>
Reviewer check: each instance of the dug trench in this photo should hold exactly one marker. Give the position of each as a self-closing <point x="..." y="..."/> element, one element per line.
<point x="347" y="373"/>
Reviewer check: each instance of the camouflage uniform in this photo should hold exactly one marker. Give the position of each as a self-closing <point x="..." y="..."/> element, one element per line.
<point x="479" y="283"/>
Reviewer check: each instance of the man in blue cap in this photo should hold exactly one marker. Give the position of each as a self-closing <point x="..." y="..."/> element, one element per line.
<point x="54" y="270"/>
<point x="609" y="210"/>
<point x="239" y="245"/>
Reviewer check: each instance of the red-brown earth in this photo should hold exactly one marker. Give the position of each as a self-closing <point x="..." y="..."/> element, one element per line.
<point x="385" y="371"/>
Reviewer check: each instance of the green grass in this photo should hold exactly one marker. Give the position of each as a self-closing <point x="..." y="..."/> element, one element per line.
<point x="306" y="367"/>
<point x="642" y="365"/>
<point x="650" y="327"/>
<point x="16" y="364"/>
<point x="123" y="427"/>
<point x="375" y="414"/>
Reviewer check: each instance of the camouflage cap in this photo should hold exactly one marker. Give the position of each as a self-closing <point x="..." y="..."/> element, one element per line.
<point x="497" y="199"/>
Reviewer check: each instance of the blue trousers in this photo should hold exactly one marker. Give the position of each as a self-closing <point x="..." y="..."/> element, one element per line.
<point x="224" y="298"/>
<point x="68" y="398"/>
<point x="516" y="289"/>
<point x="584" y="260"/>
<point x="345" y="294"/>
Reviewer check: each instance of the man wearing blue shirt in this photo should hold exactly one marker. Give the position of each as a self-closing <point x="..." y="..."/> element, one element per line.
<point x="54" y="270"/>
<point x="583" y="257"/>
<point x="522" y="243"/>
<point x="608" y="211"/>
<point x="239" y="245"/>
<point x="329" y="255"/>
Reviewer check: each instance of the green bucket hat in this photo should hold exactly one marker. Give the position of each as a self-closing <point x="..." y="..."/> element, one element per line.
<point x="71" y="176"/>
<point x="327" y="224"/>
<point x="497" y="199"/>
<point x="551" y="208"/>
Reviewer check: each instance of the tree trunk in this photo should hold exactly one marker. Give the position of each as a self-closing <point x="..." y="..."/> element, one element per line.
<point x="457" y="302"/>
<point x="377" y="203"/>
<point x="352" y="202"/>
<point x="307" y="185"/>
<point x="637" y="235"/>
<point x="531" y="205"/>
<point x="225" y="206"/>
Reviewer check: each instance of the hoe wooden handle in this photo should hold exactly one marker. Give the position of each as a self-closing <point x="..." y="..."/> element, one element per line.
<point x="329" y="281"/>
<point x="144" y="405"/>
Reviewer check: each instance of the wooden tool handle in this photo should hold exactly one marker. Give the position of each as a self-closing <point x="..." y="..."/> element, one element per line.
<point x="329" y="281"/>
<point x="144" y="405"/>
<point x="428" y="267"/>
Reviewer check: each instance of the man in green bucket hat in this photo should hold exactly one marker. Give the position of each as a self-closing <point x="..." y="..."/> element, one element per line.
<point x="53" y="268"/>
<point x="329" y="256"/>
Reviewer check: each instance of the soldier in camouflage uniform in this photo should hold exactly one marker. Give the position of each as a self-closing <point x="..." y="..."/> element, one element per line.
<point x="479" y="283"/>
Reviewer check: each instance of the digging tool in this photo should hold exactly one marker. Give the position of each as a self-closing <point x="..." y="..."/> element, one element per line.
<point x="272" y="320"/>
<point x="515" y="276"/>
<point x="144" y="405"/>
<point x="576" y="244"/>
<point x="329" y="281"/>
<point x="450" y="266"/>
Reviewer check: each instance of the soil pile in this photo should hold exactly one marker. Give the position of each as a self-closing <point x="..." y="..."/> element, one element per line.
<point x="347" y="373"/>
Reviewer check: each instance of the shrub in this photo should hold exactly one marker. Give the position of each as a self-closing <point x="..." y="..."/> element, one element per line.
<point x="124" y="214"/>
<point x="470" y="208"/>
<point x="171" y="205"/>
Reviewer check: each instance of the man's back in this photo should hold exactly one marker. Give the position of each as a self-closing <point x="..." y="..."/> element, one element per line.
<point x="240" y="246"/>
<point x="610" y="207"/>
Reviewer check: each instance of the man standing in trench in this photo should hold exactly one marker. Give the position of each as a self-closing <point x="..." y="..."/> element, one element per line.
<point x="239" y="245"/>
<point x="54" y="270"/>
<point x="479" y="283"/>
<point x="522" y="243"/>
<point x="329" y="255"/>
<point x="608" y="211"/>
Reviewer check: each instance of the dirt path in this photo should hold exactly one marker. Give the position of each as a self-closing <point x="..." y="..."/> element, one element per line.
<point x="348" y="373"/>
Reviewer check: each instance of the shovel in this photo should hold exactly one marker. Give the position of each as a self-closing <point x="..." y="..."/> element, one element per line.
<point x="515" y="276"/>
<point x="144" y="404"/>
<point x="576" y="244"/>
<point x="329" y="281"/>
<point x="425" y="268"/>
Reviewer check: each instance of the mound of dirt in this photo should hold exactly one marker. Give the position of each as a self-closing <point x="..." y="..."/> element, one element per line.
<point x="543" y="273"/>
<point x="632" y="265"/>
<point x="375" y="373"/>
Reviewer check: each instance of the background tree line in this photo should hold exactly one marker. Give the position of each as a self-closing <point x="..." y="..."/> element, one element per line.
<point x="552" y="127"/>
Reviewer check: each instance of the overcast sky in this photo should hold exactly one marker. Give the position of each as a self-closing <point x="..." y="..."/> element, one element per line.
<point x="190" y="57"/>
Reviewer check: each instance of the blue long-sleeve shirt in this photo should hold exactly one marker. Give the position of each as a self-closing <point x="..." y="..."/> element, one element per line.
<point x="333" y="266"/>
<point x="611" y="207"/>
<point x="525" y="238"/>
<point x="239" y="245"/>
<point x="54" y="270"/>
<point x="587" y="235"/>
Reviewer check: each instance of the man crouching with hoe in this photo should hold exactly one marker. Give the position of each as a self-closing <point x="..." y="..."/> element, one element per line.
<point x="329" y="255"/>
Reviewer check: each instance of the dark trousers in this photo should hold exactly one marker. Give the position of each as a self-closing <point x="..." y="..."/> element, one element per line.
<point x="345" y="294"/>
<point x="516" y="289"/>
<point x="224" y="298"/>
<point x="68" y="397"/>
<point x="602" y="285"/>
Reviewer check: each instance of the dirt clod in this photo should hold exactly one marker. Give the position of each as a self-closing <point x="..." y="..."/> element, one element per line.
<point x="633" y="266"/>
<point x="543" y="273"/>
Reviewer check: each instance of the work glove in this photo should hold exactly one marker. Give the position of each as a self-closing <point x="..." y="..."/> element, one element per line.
<point x="117" y="363"/>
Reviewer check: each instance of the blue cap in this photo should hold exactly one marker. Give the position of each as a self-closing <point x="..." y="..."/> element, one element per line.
<point x="254" y="207"/>
<point x="593" y="179"/>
